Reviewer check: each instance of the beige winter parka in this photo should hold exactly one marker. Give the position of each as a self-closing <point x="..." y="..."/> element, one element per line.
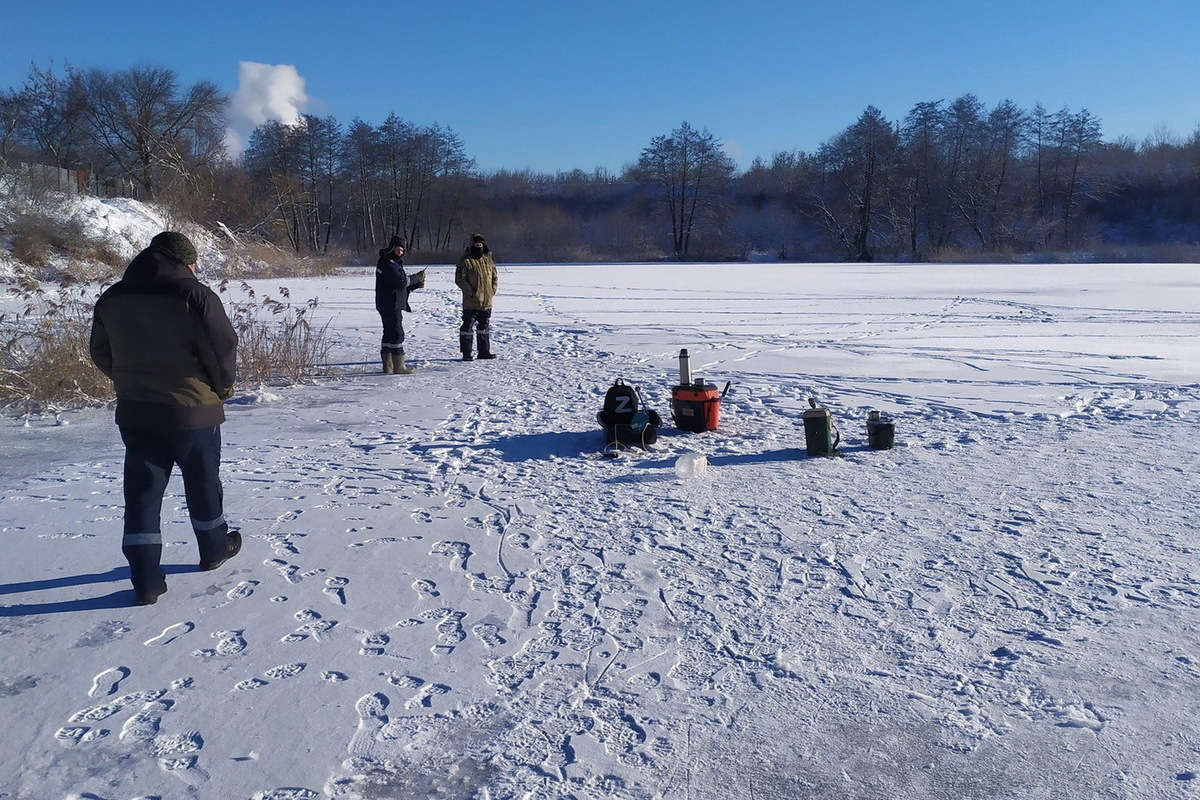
<point x="478" y="279"/>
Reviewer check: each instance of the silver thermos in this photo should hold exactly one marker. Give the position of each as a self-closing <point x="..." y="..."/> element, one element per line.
<point x="685" y="368"/>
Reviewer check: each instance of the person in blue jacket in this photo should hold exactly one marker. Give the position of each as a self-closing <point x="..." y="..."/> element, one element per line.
<point x="392" y="287"/>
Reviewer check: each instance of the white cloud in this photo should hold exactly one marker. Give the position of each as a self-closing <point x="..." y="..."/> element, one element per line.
<point x="265" y="92"/>
<point x="734" y="150"/>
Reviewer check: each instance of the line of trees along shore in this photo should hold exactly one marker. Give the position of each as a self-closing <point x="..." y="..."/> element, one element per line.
<point x="951" y="180"/>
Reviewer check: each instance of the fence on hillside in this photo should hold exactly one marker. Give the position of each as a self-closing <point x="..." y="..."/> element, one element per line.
<point x="34" y="180"/>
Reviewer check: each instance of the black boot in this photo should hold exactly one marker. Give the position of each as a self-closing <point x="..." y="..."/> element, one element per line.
<point x="148" y="598"/>
<point x="464" y="344"/>
<point x="233" y="544"/>
<point x="145" y="572"/>
<point x="483" y="339"/>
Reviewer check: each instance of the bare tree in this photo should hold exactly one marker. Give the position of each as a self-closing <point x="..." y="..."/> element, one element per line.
<point x="1083" y="142"/>
<point x="319" y="140"/>
<point x="12" y="112"/>
<point x="991" y="199"/>
<point x="360" y="158"/>
<point x="272" y="159"/>
<point x="453" y="174"/>
<point x="859" y="164"/>
<point x="692" y="173"/>
<point x="49" y="118"/>
<point x="769" y="197"/>
<point x="922" y="187"/>
<point x="148" y="129"/>
<point x="406" y="177"/>
<point x="1065" y="146"/>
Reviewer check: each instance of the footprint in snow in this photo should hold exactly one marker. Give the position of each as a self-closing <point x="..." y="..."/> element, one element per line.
<point x="449" y="627"/>
<point x="336" y="589"/>
<point x="290" y="572"/>
<point x="144" y="725"/>
<point x="384" y="540"/>
<point x="403" y="681"/>
<point x="285" y="671"/>
<point x="228" y="643"/>
<point x="423" y="698"/>
<point x="242" y="590"/>
<point x="371" y="710"/>
<point x="458" y="552"/>
<point x="374" y="643"/>
<point x="106" y="682"/>
<point x="170" y="634"/>
<point x="185" y="767"/>
<point x="425" y="588"/>
<point x="288" y="793"/>
<point x="177" y="744"/>
<point x="280" y="673"/>
<point x="315" y="629"/>
<point x="73" y="735"/>
<point x="110" y="709"/>
<point x="488" y="633"/>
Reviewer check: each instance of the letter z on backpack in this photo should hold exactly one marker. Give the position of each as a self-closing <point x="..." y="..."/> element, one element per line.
<point x="624" y="422"/>
<point x="620" y="404"/>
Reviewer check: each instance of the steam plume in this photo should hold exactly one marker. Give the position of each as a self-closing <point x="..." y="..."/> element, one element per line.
<point x="265" y="92"/>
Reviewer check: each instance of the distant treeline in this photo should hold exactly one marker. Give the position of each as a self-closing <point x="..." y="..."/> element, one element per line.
<point x="951" y="180"/>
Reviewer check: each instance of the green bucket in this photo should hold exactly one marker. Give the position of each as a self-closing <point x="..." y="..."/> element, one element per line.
<point x="820" y="436"/>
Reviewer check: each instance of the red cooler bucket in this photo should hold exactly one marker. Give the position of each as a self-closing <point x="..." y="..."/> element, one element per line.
<point x="696" y="407"/>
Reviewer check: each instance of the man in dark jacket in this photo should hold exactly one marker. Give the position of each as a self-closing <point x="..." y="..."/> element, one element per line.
<point x="165" y="341"/>
<point x="392" y="287"/>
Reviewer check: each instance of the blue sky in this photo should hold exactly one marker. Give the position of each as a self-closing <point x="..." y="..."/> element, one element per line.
<point x="561" y="84"/>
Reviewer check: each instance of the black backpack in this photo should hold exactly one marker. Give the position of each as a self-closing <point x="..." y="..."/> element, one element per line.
<point x="620" y="404"/>
<point x="624" y="421"/>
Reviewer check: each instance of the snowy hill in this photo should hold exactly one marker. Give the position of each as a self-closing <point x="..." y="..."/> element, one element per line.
<point x="125" y="225"/>
<point x="446" y="590"/>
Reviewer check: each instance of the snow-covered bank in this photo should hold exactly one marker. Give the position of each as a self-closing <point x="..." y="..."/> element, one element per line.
<point x="446" y="591"/>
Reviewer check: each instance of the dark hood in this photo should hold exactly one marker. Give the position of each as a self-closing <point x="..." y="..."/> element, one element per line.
<point x="153" y="266"/>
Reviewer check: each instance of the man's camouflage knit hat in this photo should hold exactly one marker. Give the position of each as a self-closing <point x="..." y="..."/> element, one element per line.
<point x="176" y="246"/>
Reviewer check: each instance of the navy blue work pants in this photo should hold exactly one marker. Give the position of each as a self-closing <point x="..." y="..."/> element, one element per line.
<point x="150" y="456"/>
<point x="481" y="320"/>
<point x="393" y="329"/>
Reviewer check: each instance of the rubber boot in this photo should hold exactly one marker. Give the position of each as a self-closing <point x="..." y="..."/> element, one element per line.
<point x="388" y="364"/>
<point x="398" y="365"/>
<point x="464" y="344"/>
<point x="145" y="572"/>
<point x="483" y="338"/>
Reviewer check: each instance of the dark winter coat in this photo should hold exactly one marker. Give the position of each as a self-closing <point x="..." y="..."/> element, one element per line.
<point x="165" y="341"/>
<point x="392" y="284"/>
<point x="476" y="275"/>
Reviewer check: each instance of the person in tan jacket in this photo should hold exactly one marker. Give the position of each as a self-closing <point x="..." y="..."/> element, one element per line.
<point x="477" y="277"/>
